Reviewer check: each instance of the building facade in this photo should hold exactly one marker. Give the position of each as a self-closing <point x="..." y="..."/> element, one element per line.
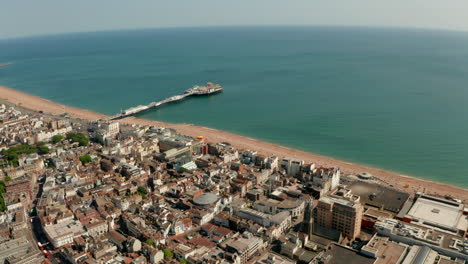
<point x="339" y="214"/>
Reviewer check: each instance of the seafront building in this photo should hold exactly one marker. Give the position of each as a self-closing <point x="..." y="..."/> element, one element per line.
<point x="105" y="192"/>
<point x="343" y="215"/>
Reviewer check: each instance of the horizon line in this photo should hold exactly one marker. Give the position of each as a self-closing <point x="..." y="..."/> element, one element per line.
<point x="387" y="27"/>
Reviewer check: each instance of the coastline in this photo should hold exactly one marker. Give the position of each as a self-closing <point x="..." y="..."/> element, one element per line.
<point x="402" y="182"/>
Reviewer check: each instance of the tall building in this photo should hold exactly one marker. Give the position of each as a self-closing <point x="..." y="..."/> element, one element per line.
<point x="308" y="222"/>
<point x="342" y="214"/>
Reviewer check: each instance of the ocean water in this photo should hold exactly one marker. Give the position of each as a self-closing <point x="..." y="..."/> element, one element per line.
<point x="389" y="98"/>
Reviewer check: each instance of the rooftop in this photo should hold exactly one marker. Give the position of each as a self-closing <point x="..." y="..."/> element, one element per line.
<point x="244" y="242"/>
<point x="386" y="252"/>
<point x="330" y="200"/>
<point x="63" y="229"/>
<point x="391" y="199"/>
<point x="436" y="211"/>
<point x="337" y="254"/>
<point x="206" y="199"/>
<point x="272" y="258"/>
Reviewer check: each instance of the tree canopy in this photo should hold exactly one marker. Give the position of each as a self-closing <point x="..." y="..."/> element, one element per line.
<point x="42" y="148"/>
<point x="78" y="137"/>
<point x="2" y="201"/>
<point x="150" y="242"/>
<point x="56" y="139"/>
<point x="85" y="159"/>
<point x="168" y="253"/>
<point x="182" y="170"/>
<point x="142" y="191"/>
<point x="12" y="154"/>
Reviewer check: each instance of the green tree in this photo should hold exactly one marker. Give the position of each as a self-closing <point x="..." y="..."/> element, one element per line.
<point x="2" y="201"/>
<point x="12" y="154"/>
<point x="182" y="170"/>
<point x="78" y="137"/>
<point x="150" y="242"/>
<point x="42" y="148"/>
<point x="168" y="253"/>
<point x="85" y="159"/>
<point x="3" y="207"/>
<point x="183" y="261"/>
<point x="142" y="191"/>
<point x="56" y="139"/>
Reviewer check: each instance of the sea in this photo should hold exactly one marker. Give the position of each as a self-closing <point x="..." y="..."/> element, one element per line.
<point x="390" y="98"/>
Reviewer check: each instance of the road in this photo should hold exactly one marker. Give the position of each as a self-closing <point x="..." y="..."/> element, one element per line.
<point x="38" y="231"/>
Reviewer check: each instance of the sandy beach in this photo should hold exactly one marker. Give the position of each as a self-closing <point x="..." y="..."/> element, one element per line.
<point x="396" y="180"/>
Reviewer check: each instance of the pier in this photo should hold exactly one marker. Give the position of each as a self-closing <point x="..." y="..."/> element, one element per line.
<point x="209" y="88"/>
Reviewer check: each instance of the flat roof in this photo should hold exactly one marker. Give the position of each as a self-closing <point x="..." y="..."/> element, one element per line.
<point x="376" y="213"/>
<point x="285" y="204"/>
<point x="339" y="255"/>
<point x="65" y="228"/>
<point x="205" y="199"/>
<point x="272" y="258"/>
<point x="330" y="199"/>
<point x="381" y="246"/>
<point x="436" y="212"/>
<point x="448" y="261"/>
<point x="371" y="193"/>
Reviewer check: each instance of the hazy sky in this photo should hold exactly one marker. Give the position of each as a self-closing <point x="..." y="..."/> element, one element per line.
<point x="31" y="17"/>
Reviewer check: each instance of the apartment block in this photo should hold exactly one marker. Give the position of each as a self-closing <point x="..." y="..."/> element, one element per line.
<point x="340" y="214"/>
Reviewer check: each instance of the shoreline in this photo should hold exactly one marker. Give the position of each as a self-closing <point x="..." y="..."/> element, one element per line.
<point x="393" y="179"/>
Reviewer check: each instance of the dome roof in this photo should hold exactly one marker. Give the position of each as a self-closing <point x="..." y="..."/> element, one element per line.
<point x="205" y="199"/>
<point x="365" y="175"/>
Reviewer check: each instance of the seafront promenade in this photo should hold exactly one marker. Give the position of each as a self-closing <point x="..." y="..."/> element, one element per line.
<point x="393" y="179"/>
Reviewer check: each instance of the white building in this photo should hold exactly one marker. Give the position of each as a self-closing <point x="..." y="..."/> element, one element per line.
<point x="156" y="256"/>
<point x="291" y="166"/>
<point x="272" y="163"/>
<point x="47" y="135"/>
<point x="433" y="212"/>
<point x="64" y="232"/>
<point x="271" y="206"/>
<point x="96" y="228"/>
<point x="242" y="248"/>
<point x="281" y="220"/>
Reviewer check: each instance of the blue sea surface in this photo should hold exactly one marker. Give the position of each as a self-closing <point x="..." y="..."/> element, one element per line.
<point x="395" y="99"/>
